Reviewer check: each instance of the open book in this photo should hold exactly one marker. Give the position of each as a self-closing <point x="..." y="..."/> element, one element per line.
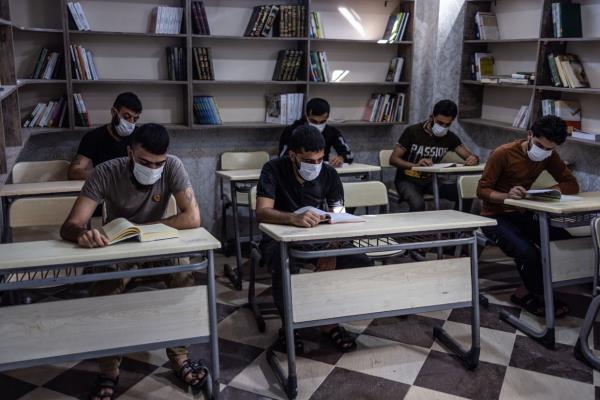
<point x="331" y="218"/>
<point x="120" y="229"/>
<point x="549" y="194"/>
<point x="447" y="165"/>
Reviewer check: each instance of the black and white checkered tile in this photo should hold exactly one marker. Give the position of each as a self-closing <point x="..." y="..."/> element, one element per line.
<point x="397" y="358"/>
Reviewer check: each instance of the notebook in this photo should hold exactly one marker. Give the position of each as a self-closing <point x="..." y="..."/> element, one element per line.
<point x="120" y="229"/>
<point x="331" y="218"/>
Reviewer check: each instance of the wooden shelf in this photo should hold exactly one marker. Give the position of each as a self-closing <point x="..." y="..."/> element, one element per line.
<point x="5" y="22"/>
<point x="239" y="125"/>
<point x="359" y="83"/>
<point x="260" y="38"/>
<point x="595" y="91"/>
<point x="40" y="30"/>
<point x="506" y="85"/>
<point x="35" y="131"/>
<point x="364" y="123"/>
<point x="492" y="124"/>
<point x="142" y="34"/>
<point x="94" y="126"/>
<point x="501" y="41"/>
<point x="242" y="82"/>
<point x="128" y="82"/>
<point x="8" y="90"/>
<point x="581" y="141"/>
<point x="359" y="41"/>
<point x="570" y="39"/>
<point x="24" y="82"/>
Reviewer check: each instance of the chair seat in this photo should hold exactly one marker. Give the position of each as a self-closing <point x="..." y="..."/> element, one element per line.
<point x="394" y="193"/>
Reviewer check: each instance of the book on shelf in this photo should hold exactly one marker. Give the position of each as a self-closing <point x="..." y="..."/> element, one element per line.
<point x="319" y="67"/>
<point x="568" y="110"/>
<point x="395" y="69"/>
<point x="585" y="135"/>
<point x="176" y="64"/>
<point x="77" y="19"/>
<point x="482" y="65"/>
<point x="166" y="20"/>
<point x="47" y="115"/>
<point x="206" y="111"/>
<point x="290" y="21"/>
<point x="81" y="115"/>
<point x="522" y="118"/>
<point x="120" y="229"/>
<point x="566" y="20"/>
<point x="262" y="20"/>
<point x="288" y="65"/>
<point x="486" y="26"/>
<point x="316" y="30"/>
<point x="203" y="65"/>
<point x="82" y="64"/>
<point x="284" y="108"/>
<point x="519" y="78"/>
<point x="566" y="70"/>
<point x="331" y="217"/>
<point x="199" y="20"/>
<point x="396" y="27"/>
<point x="49" y="65"/>
<point x="387" y="107"/>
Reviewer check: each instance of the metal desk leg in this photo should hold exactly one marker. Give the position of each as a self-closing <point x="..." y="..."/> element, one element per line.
<point x="235" y="274"/>
<point x="212" y="321"/>
<point x="582" y="349"/>
<point x="6" y="236"/>
<point x="436" y="203"/>
<point x="290" y="383"/>
<point x="469" y="357"/>
<point x="546" y="335"/>
<point x="223" y="217"/>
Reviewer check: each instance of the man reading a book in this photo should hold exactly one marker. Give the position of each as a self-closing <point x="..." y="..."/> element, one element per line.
<point x="108" y="141"/>
<point x="138" y="188"/>
<point x="316" y="115"/>
<point x="425" y="144"/>
<point x="509" y="173"/>
<point x="288" y="183"/>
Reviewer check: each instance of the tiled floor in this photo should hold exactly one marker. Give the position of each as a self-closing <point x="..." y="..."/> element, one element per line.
<point x="397" y="358"/>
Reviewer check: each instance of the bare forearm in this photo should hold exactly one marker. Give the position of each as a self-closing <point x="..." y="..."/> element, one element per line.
<point x="79" y="174"/>
<point x="272" y="216"/>
<point x="182" y="221"/>
<point x="71" y="231"/>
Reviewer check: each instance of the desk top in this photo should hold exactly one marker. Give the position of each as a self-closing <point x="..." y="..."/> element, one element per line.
<point x="58" y="252"/>
<point x="254" y="174"/>
<point x="38" y="188"/>
<point x="383" y="224"/>
<point x="451" y="170"/>
<point x="590" y="201"/>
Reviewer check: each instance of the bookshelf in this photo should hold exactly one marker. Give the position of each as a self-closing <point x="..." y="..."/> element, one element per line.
<point x="526" y="38"/>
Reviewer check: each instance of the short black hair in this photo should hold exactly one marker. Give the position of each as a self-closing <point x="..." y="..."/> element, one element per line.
<point x="317" y="106"/>
<point x="307" y="138"/>
<point x="129" y="100"/>
<point x="152" y="137"/>
<point x="446" y="108"/>
<point x="551" y="127"/>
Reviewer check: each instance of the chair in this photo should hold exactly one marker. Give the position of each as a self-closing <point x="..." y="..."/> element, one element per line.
<point x="384" y="162"/>
<point x="39" y="218"/>
<point x="40" y="171"/>
<point x="467" y="190"/>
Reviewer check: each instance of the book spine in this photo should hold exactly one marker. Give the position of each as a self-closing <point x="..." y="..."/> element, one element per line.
<point x="39" y="63"/>
<point x="270" y="21"/>
<point x="204" y="20"/>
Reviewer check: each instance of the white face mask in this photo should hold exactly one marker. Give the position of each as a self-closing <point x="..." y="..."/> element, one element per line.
<point x="124" y="128"/>
<point x="320" y="127"/>
<point x="439" y="130"/>
<point x="310" y="172"/>
<point x="145" y="175"/>
<point x="536" y="153"/>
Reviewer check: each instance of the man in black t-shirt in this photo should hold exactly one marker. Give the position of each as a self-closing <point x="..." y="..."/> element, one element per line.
<point x="425" y="144"/>
<point x="109" y="141"/>
<point x="317" y="113"/>
<point x="288" y="183"/>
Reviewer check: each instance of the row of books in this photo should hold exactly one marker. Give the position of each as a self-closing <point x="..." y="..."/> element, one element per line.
<point x="199" y="20"/>
<point x="81" y="115"/>
<point x="176" y="64"/>
<point x="569" y="111"/>
<point x="47" y="115"/>
<point x="567" y="71"/>
<point x="262" y="20"/>
<point x="203" y="66"/>
<point x="395" y="70"/>
<point x="166" y="20"/>
<point x="518" y="78"/>
<point x="206" y="111"/>
<point x="48" y="65"/>
<point x="522" y="117"/>
<point x="396" y="27"/>
<point x="276" y="20"/>
<point x="387" y="107"/>
<point x="486" y="26"/>
<point x="288" y="65"/>
<point x="284" y="108"/>
<point x="319" y="67"/>
<point x="77" y="18"/>
<point x="316" y="30"/>
<point x="83" y="64"/>
<point x="566" y="20"/>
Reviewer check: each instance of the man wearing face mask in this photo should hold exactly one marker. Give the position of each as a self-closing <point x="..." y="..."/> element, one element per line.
<point x="509" y="173"/>
<point x="425" y="144"/>
<point x="288" y="183"/>
<point x="317" y="113"/>
<point x="138" y="188"/>
<point x="108" y="141"/>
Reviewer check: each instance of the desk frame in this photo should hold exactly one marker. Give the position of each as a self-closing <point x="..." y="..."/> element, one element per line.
<point x="469" y="357"/>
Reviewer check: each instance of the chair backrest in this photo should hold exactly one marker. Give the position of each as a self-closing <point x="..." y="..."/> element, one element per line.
<point x="39" y="218"/>
<point x="40" y="171"/>
<point x="596" y="232"/>
<point x="231" y="160"/>
<point x="544" y="181"/>
<point x="253" y="198"/>
<point x="467" y="186"/>
<point x="452" y="157"/>
<point x="384" y="158"/>
<point x="365" y="194"/>
<point x="170" y="211"/>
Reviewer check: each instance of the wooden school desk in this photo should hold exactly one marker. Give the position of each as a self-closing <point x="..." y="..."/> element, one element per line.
<point x="93" y="327"/>
<point x="562" y="214"/>
<point x="241" y="181"/>
<point x="323" y="298"/>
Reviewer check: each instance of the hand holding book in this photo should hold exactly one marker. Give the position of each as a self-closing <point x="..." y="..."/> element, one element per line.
<point x="308" y="217"/>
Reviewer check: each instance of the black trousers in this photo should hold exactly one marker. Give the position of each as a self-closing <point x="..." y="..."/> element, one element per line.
<point x="412" y="191"/>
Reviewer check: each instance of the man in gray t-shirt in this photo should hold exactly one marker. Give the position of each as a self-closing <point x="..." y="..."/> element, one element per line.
<point x="138" y="188"/>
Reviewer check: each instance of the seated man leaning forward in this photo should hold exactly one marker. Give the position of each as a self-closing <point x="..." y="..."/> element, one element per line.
<point x="286" y="184"/>
<point x="138" y="188"/>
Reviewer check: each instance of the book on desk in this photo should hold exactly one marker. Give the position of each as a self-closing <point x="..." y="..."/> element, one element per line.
<point x="549" y="195"/>
<point x="120" y="229"/>
<point x="329" y="217"/>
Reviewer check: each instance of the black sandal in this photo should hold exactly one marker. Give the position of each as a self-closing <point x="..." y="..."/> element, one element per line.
<point x="535" y="305"/>
<point x="298" y="343"/>
<point x="104" y="382"/>
<point x="342" y="339"/>
<point x="193" y="367"/>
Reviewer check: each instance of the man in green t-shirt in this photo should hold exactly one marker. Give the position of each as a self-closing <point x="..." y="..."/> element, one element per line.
<point x="425" y="144"/>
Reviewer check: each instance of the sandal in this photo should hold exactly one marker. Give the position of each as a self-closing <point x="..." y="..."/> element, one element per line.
<point x="104" y="382"/>
<point x="535" y="305"/>
<point x="342" y="339"/>
<point x="298" y="343"/>
<point x="193" y="367"/>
